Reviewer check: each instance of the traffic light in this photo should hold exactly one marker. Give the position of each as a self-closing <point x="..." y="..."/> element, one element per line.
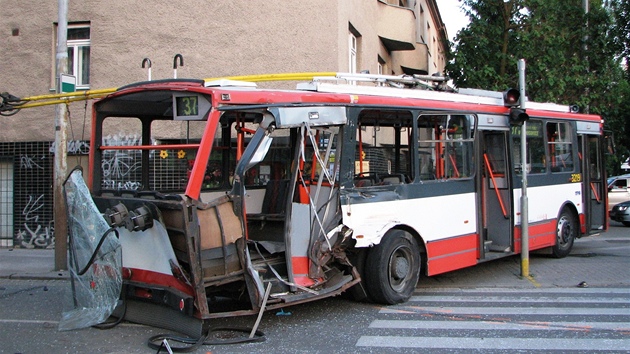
<point x="511" y="97"/>
<point x="518" y="116"/>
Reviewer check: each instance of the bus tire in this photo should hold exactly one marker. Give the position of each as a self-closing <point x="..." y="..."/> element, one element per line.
<point x="392" y="268"/>
<point x="358" y="292"/>
<point x="566" y="233"/>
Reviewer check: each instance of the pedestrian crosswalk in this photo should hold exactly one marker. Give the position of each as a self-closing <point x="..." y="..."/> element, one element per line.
<point x="501" y="319"/>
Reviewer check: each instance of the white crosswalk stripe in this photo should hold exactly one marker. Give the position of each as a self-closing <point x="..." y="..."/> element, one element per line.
<point x="497" y="319"/>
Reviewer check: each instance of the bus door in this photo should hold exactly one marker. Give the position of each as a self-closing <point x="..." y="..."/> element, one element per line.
<point x="314" y="217"/>
<point x="496" y="196"/>
<point x="593" y="183"/>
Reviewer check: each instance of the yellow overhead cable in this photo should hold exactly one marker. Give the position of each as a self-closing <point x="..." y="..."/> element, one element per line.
<point x="62" y="98"/>
<point x="276" y="77"/>
<point x="67" y="97"/>
<point x="87" y="93"/>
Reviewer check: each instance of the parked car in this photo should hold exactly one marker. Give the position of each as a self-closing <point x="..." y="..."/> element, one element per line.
<point x="618" y="190"/>
<point x="621" y="213"/>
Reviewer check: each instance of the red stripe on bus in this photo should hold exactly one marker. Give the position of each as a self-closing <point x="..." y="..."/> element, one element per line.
<point x="159" y="279"/>
<point x="193" y="189"/>
<point x="300" y="265"/>
<point x="300" y="271"/>
<point x="583" y="219"/>
<point x="541" y="235"/>
<point x="452" y="253"/>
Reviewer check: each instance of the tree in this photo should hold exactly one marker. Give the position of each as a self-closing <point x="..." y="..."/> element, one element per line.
<point x="620" y="32"/>
<point x="483" y="57"/>
<point x="572" y="57"/>
<point x="620" y="10"/>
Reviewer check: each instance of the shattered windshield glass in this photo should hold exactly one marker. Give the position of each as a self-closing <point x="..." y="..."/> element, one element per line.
<point x="95" y="272"/>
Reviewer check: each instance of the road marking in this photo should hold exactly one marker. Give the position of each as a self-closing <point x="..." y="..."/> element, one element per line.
<point x="537" y="299"/>
<point x="502" y="325"/>
<point x="29" y="321"/>
<point x="511" y="319"/>
<point x="494" y="343"/>
<point x="625" y="291"/>
<point x="454" y="310"/>
<point x="124" y="324"/>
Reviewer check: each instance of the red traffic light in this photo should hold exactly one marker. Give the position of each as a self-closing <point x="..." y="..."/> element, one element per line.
<point x="511" y="97"/>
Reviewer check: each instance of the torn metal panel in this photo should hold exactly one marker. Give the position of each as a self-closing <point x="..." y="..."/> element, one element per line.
<point x="96" y="284"/>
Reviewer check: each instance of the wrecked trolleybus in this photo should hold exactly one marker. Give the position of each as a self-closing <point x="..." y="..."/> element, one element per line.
<point x="228" y="199"/>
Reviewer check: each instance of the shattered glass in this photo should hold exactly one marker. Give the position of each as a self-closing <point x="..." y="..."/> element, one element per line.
<point x="95" y="293"/>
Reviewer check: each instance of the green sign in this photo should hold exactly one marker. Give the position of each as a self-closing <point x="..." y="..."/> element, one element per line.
<point x="67" y="83"/>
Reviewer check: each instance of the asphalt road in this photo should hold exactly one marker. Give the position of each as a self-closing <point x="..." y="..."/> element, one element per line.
<point x="577" y="304"/>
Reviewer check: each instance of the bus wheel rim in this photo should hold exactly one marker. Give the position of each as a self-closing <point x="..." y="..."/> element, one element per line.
<point x="400" y="268"/>
<point x="564" y="230"/>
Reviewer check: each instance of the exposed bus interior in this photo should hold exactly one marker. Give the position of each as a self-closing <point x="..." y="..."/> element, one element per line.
<point x="272" y="220"/>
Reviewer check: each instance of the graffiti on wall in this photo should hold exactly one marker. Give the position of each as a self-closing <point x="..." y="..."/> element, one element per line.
<point x="29" y="162"/>
<point x="33" y="221"/>
<point x="35" y="234"/>
<point x="32" y="195"/>
<point x="75" y="147"/>
<point x="121" y="168"/>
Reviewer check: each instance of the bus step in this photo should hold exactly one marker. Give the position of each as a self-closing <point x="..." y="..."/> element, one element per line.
<point x="499" y="248"/>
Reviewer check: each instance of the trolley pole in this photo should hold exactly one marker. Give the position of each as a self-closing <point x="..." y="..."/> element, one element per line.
<point x="524" y="201"/>
<point x="61" y="147"/>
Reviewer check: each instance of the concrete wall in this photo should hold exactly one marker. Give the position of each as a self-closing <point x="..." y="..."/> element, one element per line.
<point x="216" y="38"/>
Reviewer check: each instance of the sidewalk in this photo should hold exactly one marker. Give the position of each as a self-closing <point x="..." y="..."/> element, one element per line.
<point x="598" y="260"/>
<point x="20" y="263"/>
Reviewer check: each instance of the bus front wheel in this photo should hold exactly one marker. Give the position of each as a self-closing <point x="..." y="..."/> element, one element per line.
<point x="566" y="232"/>
<point x="392" y="268"/>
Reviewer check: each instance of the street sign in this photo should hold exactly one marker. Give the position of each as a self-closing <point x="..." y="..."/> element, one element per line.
<point x="67" y="83"/>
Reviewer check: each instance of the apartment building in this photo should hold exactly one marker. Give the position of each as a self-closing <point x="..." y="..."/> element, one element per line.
<point x="114" y="43"/>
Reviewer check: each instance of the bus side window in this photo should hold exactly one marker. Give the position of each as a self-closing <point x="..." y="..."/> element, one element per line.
<point x="536" y="159"/>
<point x="382" y="155"/>
<point x="445" y="146"/>
<point x="560" y="148"/>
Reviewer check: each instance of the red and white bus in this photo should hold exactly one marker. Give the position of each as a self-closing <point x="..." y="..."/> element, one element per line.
<point x="237" y="199"/>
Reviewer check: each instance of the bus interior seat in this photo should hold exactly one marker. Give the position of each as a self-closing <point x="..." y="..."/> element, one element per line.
<point x="396" y="178"/>
<point x="364" y="181"/>
<point x="274" y="202"/>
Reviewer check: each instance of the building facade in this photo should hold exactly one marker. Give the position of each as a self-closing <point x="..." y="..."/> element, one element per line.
<point x="114" y="43"/>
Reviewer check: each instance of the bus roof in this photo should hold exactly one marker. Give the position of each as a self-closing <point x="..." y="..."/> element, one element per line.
<point x="231" y="92"/>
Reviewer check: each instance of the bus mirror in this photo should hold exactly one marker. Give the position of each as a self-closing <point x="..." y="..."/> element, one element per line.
<point x="518" y="116"/>
<point x="511" y="97"/>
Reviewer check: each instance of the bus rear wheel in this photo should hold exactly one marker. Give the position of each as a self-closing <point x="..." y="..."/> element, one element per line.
<point x="566" y="233"/>
<point x="392" y="268"/>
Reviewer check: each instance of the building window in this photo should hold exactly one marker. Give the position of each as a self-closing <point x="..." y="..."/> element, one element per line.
<point x="79" y="54"/>
<point x="381" y="65"/>
<point x="421" y="27"/>
<point x="352" y="58"/>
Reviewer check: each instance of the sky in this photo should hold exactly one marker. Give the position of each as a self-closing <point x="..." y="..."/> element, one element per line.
<point x="452" y="16"/>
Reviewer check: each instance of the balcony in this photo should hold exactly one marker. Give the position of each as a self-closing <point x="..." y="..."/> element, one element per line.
<point x="396" y="27"/>
<point x="411" y="61"/>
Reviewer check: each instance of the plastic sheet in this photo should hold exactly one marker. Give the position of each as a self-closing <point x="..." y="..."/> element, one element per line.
<point x="95" y="293"/>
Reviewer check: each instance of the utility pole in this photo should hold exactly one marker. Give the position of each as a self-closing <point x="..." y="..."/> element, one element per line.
<point x="61" y="147"/>
<point x="524" y="200"/>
